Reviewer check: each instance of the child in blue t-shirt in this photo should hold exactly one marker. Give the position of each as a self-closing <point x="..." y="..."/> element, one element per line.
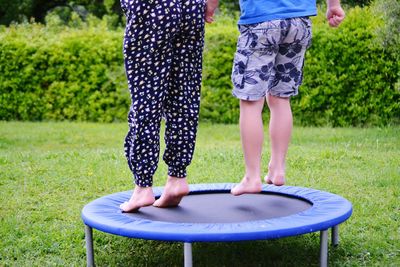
<point x="268" y="63"/>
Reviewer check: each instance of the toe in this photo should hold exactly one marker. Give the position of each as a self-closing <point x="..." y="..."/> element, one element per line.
<point x="236" y="191"/>
<point x="157" y="203"/>
<point x="123" y="206"/>
<point x="268" y="180"/>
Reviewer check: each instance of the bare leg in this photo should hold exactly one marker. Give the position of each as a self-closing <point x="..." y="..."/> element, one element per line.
<point x="141" y="197"/>
<point x="175" y="189"/>
<point x="252" y="135"/>
<point x="280" y="131"/>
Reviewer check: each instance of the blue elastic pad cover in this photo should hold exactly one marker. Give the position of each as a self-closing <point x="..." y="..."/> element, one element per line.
<point x="327" y="210"/>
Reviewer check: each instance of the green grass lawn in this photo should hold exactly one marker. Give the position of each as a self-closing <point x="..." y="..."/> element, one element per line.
<point x="49" y="171"/>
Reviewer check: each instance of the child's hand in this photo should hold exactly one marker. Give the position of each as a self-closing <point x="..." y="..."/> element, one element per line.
<point x="211" y="6"/>
<point x="335" y="15"/>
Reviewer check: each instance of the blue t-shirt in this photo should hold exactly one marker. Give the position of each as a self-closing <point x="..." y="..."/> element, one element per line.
<point x="255" y="11"/>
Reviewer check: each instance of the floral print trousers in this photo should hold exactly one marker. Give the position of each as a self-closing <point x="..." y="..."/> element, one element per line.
<point x="163" y="45"/>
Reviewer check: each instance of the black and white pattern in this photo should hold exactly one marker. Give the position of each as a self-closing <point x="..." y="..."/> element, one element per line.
<point x="163" y="45"/>
<point x="270" y="57"/>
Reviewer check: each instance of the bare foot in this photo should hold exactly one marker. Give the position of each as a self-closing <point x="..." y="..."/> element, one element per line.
<point x="248" y="186"/>
<point x="141" y="197"/>
<point x="175" y="189"/>
<point x="277" y="180"/>
<point x="275" y="177"/>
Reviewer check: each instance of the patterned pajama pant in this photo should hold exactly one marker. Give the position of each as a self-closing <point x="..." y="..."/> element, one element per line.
<point x="163" y="45"/>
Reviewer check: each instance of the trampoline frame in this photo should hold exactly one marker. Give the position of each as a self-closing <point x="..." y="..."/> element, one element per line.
<point x="188" y="256"/>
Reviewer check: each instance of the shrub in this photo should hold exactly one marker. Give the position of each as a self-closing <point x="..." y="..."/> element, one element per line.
<point x="56" y="72"/>
<point x="349" y="2"/>
<point x="349" y="77"/>
<point x="62" y="73"/>
<point x="217" y="104"/>
<point x="22" y="10"/>
<point x="233" y="5"/>
<point x="389" y="32"/>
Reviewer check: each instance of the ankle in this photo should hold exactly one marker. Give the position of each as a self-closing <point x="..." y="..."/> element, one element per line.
<point x="175" y="181"/>
<point x="252" y="174"/>
<point x="173" y="178"/>
<point x="143" y="190"/>
<point x="276" y="167"/>
<point x="251" y="179"/>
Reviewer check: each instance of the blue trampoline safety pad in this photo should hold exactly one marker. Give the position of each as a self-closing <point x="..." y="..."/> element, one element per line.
<point x="324" y="210"/>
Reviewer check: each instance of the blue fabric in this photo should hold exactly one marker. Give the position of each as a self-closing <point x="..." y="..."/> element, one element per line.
<point x="255" y="11"/>
<point x="327" y="211"/>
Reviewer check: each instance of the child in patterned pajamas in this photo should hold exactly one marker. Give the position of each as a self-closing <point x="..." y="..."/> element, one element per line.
<point x="268" y="63"/>
<point x="163" y="45"/>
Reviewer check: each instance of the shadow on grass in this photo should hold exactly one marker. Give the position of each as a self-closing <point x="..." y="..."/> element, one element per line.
<point x="291" y="251"/>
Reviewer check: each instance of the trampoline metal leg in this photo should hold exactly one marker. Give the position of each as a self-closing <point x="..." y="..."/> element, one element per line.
<point x="323" y="254"/>
<point x="89" y="246"/>
<point x="188" y="254"/>
<point x="335" y="235"/>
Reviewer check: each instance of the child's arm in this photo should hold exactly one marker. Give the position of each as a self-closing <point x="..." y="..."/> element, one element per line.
<point x="211" y="6"/>
<point x="335" y="14"/>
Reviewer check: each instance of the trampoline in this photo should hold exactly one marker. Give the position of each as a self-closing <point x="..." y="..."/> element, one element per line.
<point x="211" y="214"/>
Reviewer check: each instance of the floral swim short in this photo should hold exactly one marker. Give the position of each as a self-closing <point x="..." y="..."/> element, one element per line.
<point x="270" y="57"/>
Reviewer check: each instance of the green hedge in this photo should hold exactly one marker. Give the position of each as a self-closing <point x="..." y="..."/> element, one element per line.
<point x="349" y="78"/>
<point x="22" y="10"/>
<point x="218" y="104"/>
<point x="50" y="73"/>
<point x="76" y="73"/>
